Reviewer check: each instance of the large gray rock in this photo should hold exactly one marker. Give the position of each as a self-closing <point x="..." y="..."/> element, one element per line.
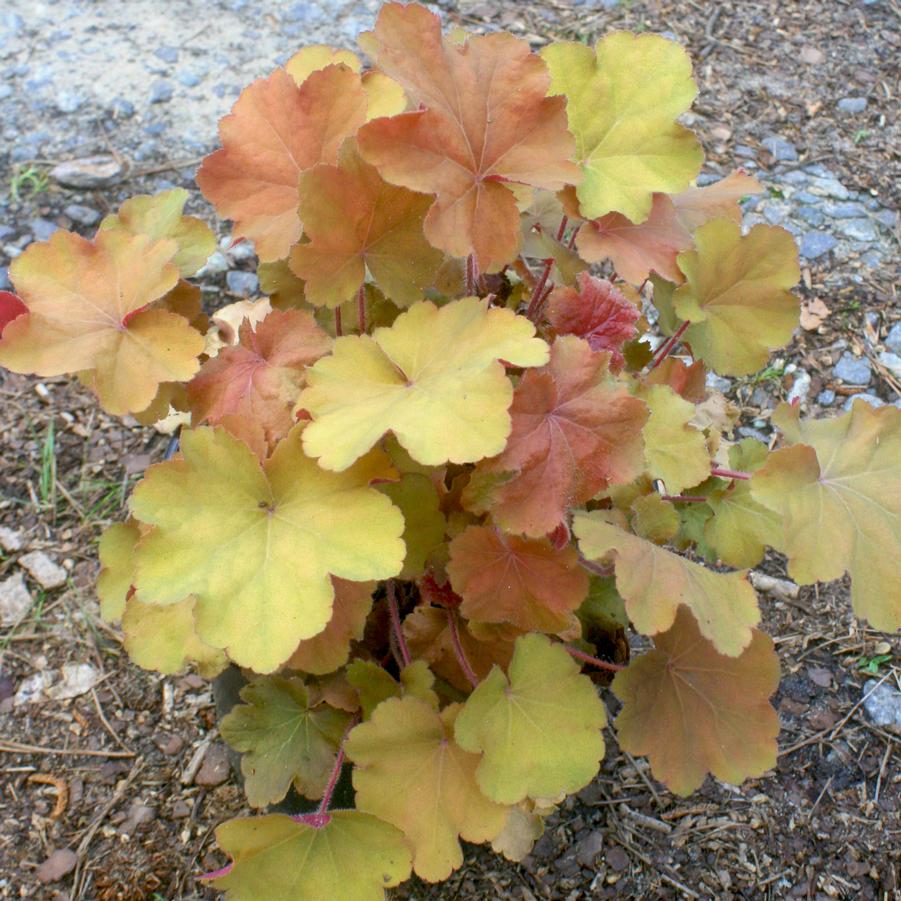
<point x="15" y="600"/>
<point x="882" y="703"/>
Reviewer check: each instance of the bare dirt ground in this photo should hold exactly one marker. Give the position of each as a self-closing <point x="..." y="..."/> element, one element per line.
<point x="127" y="773"/>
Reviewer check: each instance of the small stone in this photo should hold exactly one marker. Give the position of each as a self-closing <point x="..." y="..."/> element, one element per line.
<point x="747" y="432"/>
<point x="242" y="252"/>
<point x="888" y="218"/>
<point x="718" y="383"/>
<point x="11" y="540"/>
<point x="42" y="229"/>
<point x="849" y="209"/>
<point x="60" y="863"/>
<point x="138" y="815"/>
<point x="43" y="570"/>
<point x="188" y="79"/>
<point x="826" y="397"/>
<point x="617" y="859"/>
<point x="830" y="186"/>
<point x="32" y="689"/>
<point x="122" y="108"/>
<point x="166" y="54"/>
<point x="69" y="101"/>
<point x="811" y="215"/>
<point x="78" y="678"/>
<point x="243" y="283"/>
<point x="171" y="745"/>
<point x="589" y="847"/>
<point x="83" y="215"/>
<point x="89" y="172"/>
<point x="815" y="244"/>
<point x="870" y="399"/>
<point x="819" y="675"/>
<point x="215" y="768"/>
<point x="781" y="149"/>
<point x="161" y="92"/>
<point x="892" y="362"/>
<point x="812" y="56"/>
<point x="216" y="263"/>
<point x="11" y="22"/>
<point x="800" y="388"/>
<point x="853" y="370"/>
<point x="858" y="229"/>
<point x="893" y="338"/>
<point x="852" y="105"/>
<point x="882" y="703"/>
<point x="15" y="600"/>
<point x="180" y="810"/>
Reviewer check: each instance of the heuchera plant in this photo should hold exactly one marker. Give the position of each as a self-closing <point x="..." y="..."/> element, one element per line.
<point x="430" y="483"/>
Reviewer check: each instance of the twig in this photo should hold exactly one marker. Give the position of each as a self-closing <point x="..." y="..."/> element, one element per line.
<point x="15" y="747"/>
<point x="395" y="624"/>
<point x="190" y="771"/>
<point x="107" y="725"/>
<point x="458" y="650"/>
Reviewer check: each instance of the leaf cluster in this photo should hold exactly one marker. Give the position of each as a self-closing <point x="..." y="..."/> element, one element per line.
<point x="426" y="485"/>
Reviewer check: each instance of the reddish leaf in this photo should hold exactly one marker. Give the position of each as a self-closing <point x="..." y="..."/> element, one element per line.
<point x="689" y="382"/>
<point x="575" y="430"/>
<point x="523" y="581"/>
<point x="258" y="380"/>
<point x="597" y="312"/>
<point x="11" y="307"/>
<point x="275" y="131"/>
<point x="637" y="250"/>
<point x="484" y="119"/>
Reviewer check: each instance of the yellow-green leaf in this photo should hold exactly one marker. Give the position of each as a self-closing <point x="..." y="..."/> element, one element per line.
<point x="424" y="524"/>
<point x="116" y="575"/>
<point x="622" y="100"/>
<point x="654" y="581"/>
<point x="278" y="858"/>
<point x="837" y="491"/>
<point x="538" y="727"/>
<point x="737" y="294"/>
<point x="256" y="544"/>
<point x="411" y="773"/>
<point x="374" y="684"/>
<point x="694" y="710"/>
<point x="434" y="378"/>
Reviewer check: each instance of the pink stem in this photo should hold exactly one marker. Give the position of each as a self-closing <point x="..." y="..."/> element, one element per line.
<point x="458" y="650"/>
<point x="339" y="331"/>
<point x="538" y="291"/>
<point x="395" y="624"/>
<point x="594" y="661"/>
<point x="667" y="347"/>
<point x="729" y="473"/>
<point x="603" y="571"/>
<point x="361" y="308"/>
<point x="321" y="817"/>
<point x="572" y="239"/>
<point x="562" y="230"/>
<point x="470" y="276"/>
<point x="684" y="498"/>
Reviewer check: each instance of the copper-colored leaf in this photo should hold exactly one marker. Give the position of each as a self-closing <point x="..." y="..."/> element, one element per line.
<point x="695" y="206"/>
<point x="275" y="131"/>
<point x="693" y="710"/>
<point x="523" y="581"/>
<point x="574" y="431"/>
<point x="484" y="119"/>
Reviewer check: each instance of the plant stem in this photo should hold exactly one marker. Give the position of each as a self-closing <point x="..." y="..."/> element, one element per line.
<point x="338" y="330"/>
<point x="594" y="661"/>
<point x="321" y="817"/>
<point x="684" y="498"/>
<point x="538" y="291"/>
<point x="596" y="568"/>
<point x="395" y="623"/>
<point x="561" y="231"/>
<point x="361" y="308"/>
<point x="458" y="649"/>
<point x="729" y="473"/>
<point x="470" y="276"/>
<point x="668" y="346"/>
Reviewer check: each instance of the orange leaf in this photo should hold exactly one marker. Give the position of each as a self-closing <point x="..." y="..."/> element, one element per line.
<point x="87" y="312"/>
<point x="325" y="652"/>
<point x="597" y="312"/>
<point x="275" y="131"/>
<point x="688" y="381"/>
<point x="637" y="250"/>
<point x="484" y="119"/>
<point x="523" y="581"/>
<point x="356" y="221"/>
<point x="693" y="710"/>
<point x="257" y="381"/>
<point x="574" y="431"/>
<point x="695" y="206"/>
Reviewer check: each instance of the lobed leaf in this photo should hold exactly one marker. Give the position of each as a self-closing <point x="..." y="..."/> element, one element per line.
<point x="737" y="296"/>
<point x="433" y="378"/>
<point x="523" y="581"/>
<point x="696" y="206"/>
<point x="357" y="223"/>
<point x="538" y="727"/>
<point x="424" y="524"/>
<point x="256" y="544"/>
<point x="280" y="858"/>
<point x="373" y="684"/>
<point x="87" y="311"/>
<point x="275" y="131"/>
<point x="483" y="120"/>
<point x="283" y="739"/>
<point x="692" y="710"/>
<point x="654" y="582"/>
<point x="622" y="100"/>
<point x="575" y="430"/>
<point x="837" y="492"/>
<point x="411" y="773"/>
<point x="114" y="581"/>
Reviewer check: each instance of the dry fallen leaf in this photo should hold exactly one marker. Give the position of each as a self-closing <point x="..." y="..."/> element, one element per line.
<point x="813" y="313"/>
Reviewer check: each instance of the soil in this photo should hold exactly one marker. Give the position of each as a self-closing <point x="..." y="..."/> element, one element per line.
<point x="130" y="774"/>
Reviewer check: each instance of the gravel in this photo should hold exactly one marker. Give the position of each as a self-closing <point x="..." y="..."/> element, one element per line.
<point x="15" y="599"/>
<point x="83" y="215"/>
<point x="815" y="244"/>
<point x="852" y="105"/>
<point x="853" y="370"/>
<point x="893" y="339"/>
<point x="882" y="703"/>
<point x="43" y="570"/>
<point x="161" y="92"/>
<point x="243" y="283"/>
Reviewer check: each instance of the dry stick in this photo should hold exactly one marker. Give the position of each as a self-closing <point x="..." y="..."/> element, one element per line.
<point x="15" y="747"/>
<point x="107" y="725"/>
<point x="594" y="661"/>
<point x="361" y="308"/>
<point x="668" y="346"/>
<point x="458" y="650"/>
<point x="729" y="473"/>
<point x="395" y="623"/>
